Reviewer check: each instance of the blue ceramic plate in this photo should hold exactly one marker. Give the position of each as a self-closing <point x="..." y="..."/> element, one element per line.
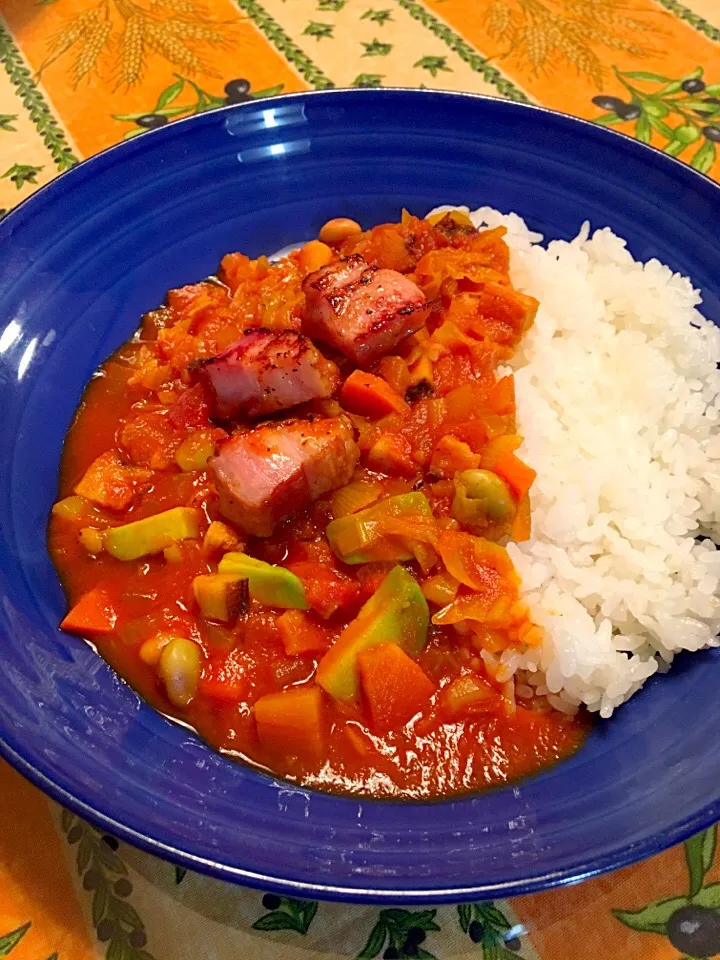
<point x="85" y="257"/>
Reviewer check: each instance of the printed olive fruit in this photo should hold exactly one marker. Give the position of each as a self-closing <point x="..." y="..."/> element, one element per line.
<point x="628" y="111"/>
<point x="476" y="931"/>
<point x="695" y="931"/>
<point x="608" y="103"/>
<point x="693" y="86"/>
<point x="151" y="121"/>
<point x="237" y="91"/>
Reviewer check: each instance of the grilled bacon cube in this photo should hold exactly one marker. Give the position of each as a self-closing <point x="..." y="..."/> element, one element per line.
<point x="264" y="372"/>
<point x="361" y="310"/>
<point x="268" y="473"/>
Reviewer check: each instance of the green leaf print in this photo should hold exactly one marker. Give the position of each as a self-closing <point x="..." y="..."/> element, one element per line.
<point x="699" y="853"/>
<point x="318" y="30"/>
<point x="670" y="114"/>
<point x="6" y="120"/>
<point x="399" y="933"/>
<point x="286" y="914"/>
<point x="376" y="941"/>
<point x="12" y="939"/>
<point x="643" y="130"/>
<point x="331" y="6"/>
<point x="709" y="896"/>
<point x="22" y="173"/>
<point x="433" y="65"/>
<point x="644" y="75"/>
<point x="653" y="917"/>
<point x="117" y="923"/>
<point x="179" y="874"/>
<point x="368" y="80"/>
<point x="276" y="921"/>
<point x="169" y="94"/>
<point x="464" y="916"/>
<point x="486" y="925"/>
<point x="377" y="16"/>
<point x="377" y="49"/>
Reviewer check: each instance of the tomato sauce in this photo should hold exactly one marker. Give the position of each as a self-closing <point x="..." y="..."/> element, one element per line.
<point x="143" y="405"/>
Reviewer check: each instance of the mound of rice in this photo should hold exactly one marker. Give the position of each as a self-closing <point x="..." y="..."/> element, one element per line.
<point x="618" y="396"/>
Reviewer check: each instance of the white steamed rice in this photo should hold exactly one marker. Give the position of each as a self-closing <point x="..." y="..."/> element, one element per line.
<point x="618" y="396"/>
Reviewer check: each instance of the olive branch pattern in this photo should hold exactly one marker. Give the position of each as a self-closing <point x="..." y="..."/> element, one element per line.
<point x="480" y="64"/>
<point x="176" y="30"/>
<point x="541" y="34"/>
<point x="691" y="922"/>
<point x="400" y="933"/>
<point x="33" y="101"/>
<point x="673" y="114"/>
<point x="10" y="940"/>
<point x="116" y="922"/>
<point x="486" y="925"/>
<point x="282" y="42"/>
<point x="286" y="913"/>
<point x="689" y="16"/>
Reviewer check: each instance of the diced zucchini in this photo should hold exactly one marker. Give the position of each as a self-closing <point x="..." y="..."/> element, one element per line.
<point x="396" y="613"/>
<point x="195" y="451"/>
<point x="152" y="534"/>
<point x="268" y="584"/>
<point x="221" y="596"/>
<point x="360" y="538"/>
<point x="220" y="537"/>
<point x="72" y="508"/>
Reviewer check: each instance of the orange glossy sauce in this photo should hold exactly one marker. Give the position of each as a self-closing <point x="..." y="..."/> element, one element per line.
<point x="435" y="754"/>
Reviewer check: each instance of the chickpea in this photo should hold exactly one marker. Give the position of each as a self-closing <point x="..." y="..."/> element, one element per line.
<point x="314" y="255"/>
<point x="481" y="497"/>
<point x="179" y="668"/>
<point x="336" y="231"/>
<point x="151" y="649"/>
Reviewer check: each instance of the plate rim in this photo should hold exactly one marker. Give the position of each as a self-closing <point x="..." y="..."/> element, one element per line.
<point x="149" y="840"/>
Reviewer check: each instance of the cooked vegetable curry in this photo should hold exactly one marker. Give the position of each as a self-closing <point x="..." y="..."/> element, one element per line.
<point x="283" y="505"/>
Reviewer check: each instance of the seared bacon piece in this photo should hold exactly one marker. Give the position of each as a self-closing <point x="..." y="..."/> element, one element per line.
<point x="274" y="470"/>
<point x="264" y="372"/>
<point x="360" y="310"/>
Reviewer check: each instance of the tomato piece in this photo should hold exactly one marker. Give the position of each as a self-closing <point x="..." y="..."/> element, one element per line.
<point x="228" y="679"/>
<point x="327" y="591"/>
<point x="191" y="411"/>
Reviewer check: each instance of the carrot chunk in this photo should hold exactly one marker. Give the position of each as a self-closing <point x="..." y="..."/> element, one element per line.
<point x="501" y="399"/>
<point x="290" y="723"/>
<point x="300" y="635"/>
<point x="522" y="524"/>
<point x="93" y="614"/>
<point x="395" y="687"/>
<point x="370" y="396"/>
<point x="518" y="475"/>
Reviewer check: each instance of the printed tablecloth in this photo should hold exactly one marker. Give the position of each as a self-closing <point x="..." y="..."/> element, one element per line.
<point x="80" y="75"/>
